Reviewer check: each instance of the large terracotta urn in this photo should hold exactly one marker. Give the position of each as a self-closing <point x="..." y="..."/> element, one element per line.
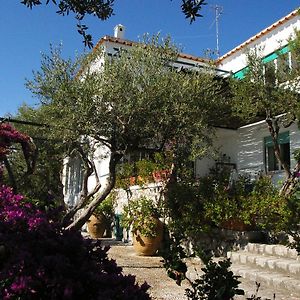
<point x="96" y="226"/>
<point x="148" y="246"/>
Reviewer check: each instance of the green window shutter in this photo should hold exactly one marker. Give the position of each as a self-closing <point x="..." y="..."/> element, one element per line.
<point x="274" y="55"/>
<point x="241" y="73"/>
<point x="283" y="138"/>
<point x="270" y="57"/>
<point x="284" y="50"/>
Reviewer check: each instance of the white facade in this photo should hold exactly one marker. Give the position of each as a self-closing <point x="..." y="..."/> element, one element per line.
<point x="251" y="150"/>
<point x="251" y="155"/>
<point x="225" y="151"/>
<point x="265" y="42"/>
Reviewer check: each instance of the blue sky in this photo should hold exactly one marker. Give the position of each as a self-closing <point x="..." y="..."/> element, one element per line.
<point x="25" y="33"/>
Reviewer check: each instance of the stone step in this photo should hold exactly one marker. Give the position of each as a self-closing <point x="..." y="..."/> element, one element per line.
<point x="264" y="292"/>
<point x="273" y="250"/>
<point x="283" y="286"/>
<point x="269" y="263"/>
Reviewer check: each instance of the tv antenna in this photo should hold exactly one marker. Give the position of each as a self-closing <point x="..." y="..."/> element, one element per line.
<point x="218" y="11"/>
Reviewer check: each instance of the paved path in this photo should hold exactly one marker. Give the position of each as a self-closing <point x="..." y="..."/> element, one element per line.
<point x="149" y="269"/>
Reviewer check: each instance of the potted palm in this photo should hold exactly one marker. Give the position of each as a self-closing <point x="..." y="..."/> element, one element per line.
<point x="141" y="215"/>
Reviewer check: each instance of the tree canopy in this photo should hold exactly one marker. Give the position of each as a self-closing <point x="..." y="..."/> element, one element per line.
<point x="104" y="9"/>
<point x="138" y="101"/>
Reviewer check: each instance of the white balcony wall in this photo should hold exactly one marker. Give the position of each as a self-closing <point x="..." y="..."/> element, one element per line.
<point x="225" y="142"/>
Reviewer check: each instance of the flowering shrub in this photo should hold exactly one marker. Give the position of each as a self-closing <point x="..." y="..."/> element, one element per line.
<point x="38" y="260"/>
<point x="10" y="135"/>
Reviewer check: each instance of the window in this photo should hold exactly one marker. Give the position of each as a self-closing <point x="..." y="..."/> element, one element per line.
<point x="135" y="156"/>
<point x="280" y="61"/>
<point x="74" y="176"/>
<point x="271" y="162"/>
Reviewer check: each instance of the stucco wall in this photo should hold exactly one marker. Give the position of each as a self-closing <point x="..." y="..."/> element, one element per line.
<point x="267" y="43"/>
<point x="250" y="157"/>
<point x="225" y="142"/>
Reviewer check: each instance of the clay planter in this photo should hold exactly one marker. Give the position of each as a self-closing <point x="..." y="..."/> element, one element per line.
<point x="96" y="226"/>
<point x="147" y="246"/>
<point x="236" y="224"/>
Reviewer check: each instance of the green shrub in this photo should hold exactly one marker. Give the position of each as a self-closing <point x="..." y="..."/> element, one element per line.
<point x="141" y="215"/>
<point x="217" y="283"/>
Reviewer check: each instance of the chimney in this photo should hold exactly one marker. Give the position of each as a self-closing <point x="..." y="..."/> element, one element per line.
<point x="119" y="31"/>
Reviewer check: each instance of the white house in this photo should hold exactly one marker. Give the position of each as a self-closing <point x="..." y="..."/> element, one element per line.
<point x="248" y="149"/>
<point x="254" y="152"/>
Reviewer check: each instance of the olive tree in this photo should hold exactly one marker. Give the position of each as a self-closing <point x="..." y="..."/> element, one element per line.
<point x="271" y="93"/>
<point x="138" y="101"/>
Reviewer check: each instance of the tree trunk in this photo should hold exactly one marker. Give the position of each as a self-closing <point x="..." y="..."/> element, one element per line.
<point x="291" y="178"/>
<point x="11" y="175"/>
<point x="290" y="183"/>
<point x="85" y="195"/>
<point x="78" y="223"/>
<point x="273" y="127"/>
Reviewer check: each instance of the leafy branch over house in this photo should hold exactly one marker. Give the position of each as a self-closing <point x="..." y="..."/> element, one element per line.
<point x="139" y="101"/>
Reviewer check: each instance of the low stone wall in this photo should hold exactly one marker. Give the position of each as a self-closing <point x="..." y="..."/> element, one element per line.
<point x="220" y="241"/>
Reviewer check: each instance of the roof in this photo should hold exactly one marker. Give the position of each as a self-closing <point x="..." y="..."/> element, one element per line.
<point x="108" y="38"/>
<point x="129" y="43"/>
<point x="260" y="34"/>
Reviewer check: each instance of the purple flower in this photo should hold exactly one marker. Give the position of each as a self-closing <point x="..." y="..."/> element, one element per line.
<point x="19" y="285"/>
<point x="44" y="262"/>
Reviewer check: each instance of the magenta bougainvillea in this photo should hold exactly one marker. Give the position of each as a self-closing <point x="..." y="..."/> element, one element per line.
<point x="9" y="135"/>
<point x="38" y="260"/>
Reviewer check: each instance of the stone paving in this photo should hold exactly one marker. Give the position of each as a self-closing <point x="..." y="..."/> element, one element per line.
<point x="151" y="270"/>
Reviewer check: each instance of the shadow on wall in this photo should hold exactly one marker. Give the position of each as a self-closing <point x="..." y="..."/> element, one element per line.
<point x="251" y="150"/>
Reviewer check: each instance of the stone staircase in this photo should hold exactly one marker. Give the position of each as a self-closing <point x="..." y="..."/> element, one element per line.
<point x="275" y="267"/>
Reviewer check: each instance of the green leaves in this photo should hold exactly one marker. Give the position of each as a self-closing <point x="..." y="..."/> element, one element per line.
<point x="217" y="283"/>
<point x="136" y="102"/>
<point x="191" y="8"/>
<point x="141" y="215"/>
<point x="103" y="10"/>
<point x="31" y="3"/>
<point x="268" y="88"/>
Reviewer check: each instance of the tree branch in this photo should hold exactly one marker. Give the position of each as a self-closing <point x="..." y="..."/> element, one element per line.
<point x="10" y="174"/>
<point x="78" y="223"/>
<point x="273" y="127"/>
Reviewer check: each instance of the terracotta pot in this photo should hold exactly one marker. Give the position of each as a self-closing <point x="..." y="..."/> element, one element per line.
<point x="147" y="246"/>
<point x="96" y="226"/>
<point x="236" y="224"/>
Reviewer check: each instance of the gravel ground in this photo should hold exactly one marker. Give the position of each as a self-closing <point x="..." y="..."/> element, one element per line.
<point x="151" y="270"/>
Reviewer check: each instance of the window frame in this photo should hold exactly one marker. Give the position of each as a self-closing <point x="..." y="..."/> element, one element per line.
<point x="283" y="139"/>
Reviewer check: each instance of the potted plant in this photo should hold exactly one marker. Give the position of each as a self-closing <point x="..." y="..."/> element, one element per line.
<point x="102" y="218"/>
<point x="141" y="215"/>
